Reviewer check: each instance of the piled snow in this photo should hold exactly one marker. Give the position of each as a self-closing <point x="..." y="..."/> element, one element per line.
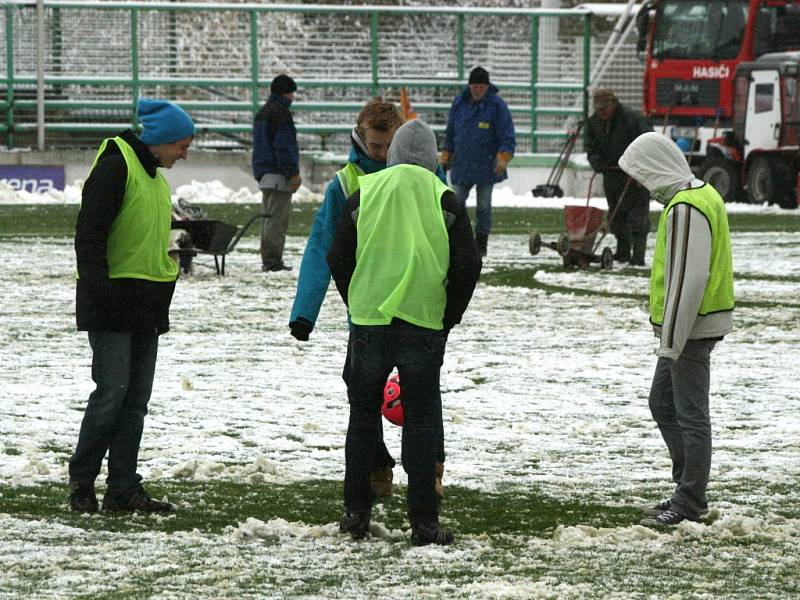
<point x="214" y="192"/>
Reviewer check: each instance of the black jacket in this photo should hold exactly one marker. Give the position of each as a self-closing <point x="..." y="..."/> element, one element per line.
<point x="606" y="141"/>
<point x="465" y="259"/>
<point x="103" y="304"/>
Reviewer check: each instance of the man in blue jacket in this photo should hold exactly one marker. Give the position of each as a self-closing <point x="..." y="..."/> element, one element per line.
<point x="479" y="143"/>
<point x="375" y="127"/>
<point x="276" y="167"/>
<point x="374" y="130"/>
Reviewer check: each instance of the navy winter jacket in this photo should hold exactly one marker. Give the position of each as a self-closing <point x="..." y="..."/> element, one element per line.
<point x="476" y="132"/>
<point x="275" y="140"/>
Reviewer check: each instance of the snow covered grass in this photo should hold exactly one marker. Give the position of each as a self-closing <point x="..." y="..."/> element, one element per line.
<point x="551" y="449"/>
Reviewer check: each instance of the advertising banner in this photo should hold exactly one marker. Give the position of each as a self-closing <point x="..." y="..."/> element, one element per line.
<point x="33" y="178"/>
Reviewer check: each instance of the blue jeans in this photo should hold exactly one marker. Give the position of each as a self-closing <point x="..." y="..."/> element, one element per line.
<point x="679" y="405"/>
<point x="417" y="353"/>
<point x="483" y="212"/>
<point x="123" y="366"/>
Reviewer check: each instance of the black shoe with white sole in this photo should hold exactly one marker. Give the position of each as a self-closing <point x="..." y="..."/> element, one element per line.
<point x="668" y="518"/>
<point x="667" y="505"/>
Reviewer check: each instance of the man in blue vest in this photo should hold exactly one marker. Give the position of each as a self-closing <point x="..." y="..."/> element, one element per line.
<point x="124" y="290"/>
<point x="405" y="263"/>
<point x="276" y="167"/>
<point x="691" y="304"/>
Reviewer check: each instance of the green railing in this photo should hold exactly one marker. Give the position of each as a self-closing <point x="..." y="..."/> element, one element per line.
<point x="151" y="52"/>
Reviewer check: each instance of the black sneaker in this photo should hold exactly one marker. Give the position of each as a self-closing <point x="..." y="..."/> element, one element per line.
<point x="423" y="534"/>
<point x="667" y="504"/>
<point x="668" y="518"/>
<point x="281" y="266"/>
<point x="356" y="524"/>
<point x="82" y="498"/>
<point x="138" y="499"/>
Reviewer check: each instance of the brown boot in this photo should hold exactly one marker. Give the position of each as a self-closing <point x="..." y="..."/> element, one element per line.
<point x="381" y="481"/>
<point x="437" y="486"/>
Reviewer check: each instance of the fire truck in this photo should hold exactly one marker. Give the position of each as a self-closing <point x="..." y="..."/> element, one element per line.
<point x="757" y="160"/>
<point x="692" y="49"/>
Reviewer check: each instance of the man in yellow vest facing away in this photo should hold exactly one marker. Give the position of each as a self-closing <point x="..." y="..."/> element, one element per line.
<point x="691" y="305"/>
<point x="125" y="284"/>
<point x="405" y="262"/>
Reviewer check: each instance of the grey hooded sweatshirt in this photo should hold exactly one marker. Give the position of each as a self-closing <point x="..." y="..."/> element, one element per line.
<point x="657" y="163"/>
<point x="413" y="144"/>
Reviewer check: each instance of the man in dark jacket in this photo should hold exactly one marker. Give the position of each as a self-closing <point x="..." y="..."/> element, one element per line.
<point x="405" y="263"/>
<point x="276" y="167"/>
<point x="479" y="143"/>
<point x="609" y="131"/>
<point x="125" y="285"/>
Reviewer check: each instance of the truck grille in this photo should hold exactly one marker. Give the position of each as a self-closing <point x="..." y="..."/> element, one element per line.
<point x="679" y="92"/>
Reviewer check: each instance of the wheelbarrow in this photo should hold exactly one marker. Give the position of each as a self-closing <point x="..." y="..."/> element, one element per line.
<point x="578" y="245"/>
<point x="212" y="237"/>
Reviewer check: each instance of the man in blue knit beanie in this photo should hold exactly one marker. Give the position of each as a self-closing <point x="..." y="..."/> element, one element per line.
<point x="163" y="122"/>
<point x="124" y="290"/>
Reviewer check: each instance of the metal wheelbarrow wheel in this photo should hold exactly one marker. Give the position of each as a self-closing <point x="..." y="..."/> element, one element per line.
<point x="535" y="242"/>
<point x="563" y="244"/>
<point x="606" y="259"/>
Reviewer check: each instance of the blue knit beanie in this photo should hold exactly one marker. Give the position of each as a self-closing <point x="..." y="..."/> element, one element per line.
<point x="163" y="122"/>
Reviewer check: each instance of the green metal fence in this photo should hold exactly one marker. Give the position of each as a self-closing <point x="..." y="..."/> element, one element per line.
<point x="217" y="61"/>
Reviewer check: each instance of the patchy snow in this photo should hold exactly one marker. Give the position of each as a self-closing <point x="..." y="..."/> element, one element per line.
<point x="214" y="192"/>
<point x="540" y="390"/>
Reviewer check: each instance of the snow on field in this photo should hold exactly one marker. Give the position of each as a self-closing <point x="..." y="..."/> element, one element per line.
<point x="545" y="390"/>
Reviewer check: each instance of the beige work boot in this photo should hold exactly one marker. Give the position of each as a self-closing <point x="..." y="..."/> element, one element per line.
<point x="381" y="481"/>
<point x="438" y="487"/>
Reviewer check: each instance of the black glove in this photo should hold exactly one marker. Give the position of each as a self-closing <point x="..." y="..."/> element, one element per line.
<point x="300" y="329"/>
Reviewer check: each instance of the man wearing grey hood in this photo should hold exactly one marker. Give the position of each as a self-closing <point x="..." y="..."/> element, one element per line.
<point x="691" y="304"/>
<point x="405" y="262"/>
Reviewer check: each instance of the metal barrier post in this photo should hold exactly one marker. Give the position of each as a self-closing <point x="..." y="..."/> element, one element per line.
<point x="254" y="62"/>
<point x="587" y="62"/>
<point x="10" y="74"/>
<point x="534" y="77"/>
<point x="373" y="34"/>
<point x="460" y="47"/>
<point x="134" y="63"/>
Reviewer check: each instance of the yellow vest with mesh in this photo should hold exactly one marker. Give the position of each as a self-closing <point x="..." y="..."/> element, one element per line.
<point x="403" y="250"/>
<point x="718" y="295"/>
<point x="139" y="236"/>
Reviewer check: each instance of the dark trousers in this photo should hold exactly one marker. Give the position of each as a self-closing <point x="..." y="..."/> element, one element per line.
<point x="483" y="204"/>
<point x="278" y="205"/>
<point x="631" y="221"/>
<point x="381" y="457"/>
<point x="679" y="405"/>
<point x="123" y="366"/>
<point x="417" y="353"/>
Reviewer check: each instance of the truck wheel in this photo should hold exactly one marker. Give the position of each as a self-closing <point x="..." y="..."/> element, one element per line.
<point x="724" y="176"/>
<point x="769" y="180"/>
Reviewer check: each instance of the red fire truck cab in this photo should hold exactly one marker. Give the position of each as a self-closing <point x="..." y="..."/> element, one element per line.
<point x="692" y="49"/>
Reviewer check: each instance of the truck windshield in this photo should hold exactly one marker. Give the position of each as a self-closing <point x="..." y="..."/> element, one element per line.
<point x="700" y="29"/>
